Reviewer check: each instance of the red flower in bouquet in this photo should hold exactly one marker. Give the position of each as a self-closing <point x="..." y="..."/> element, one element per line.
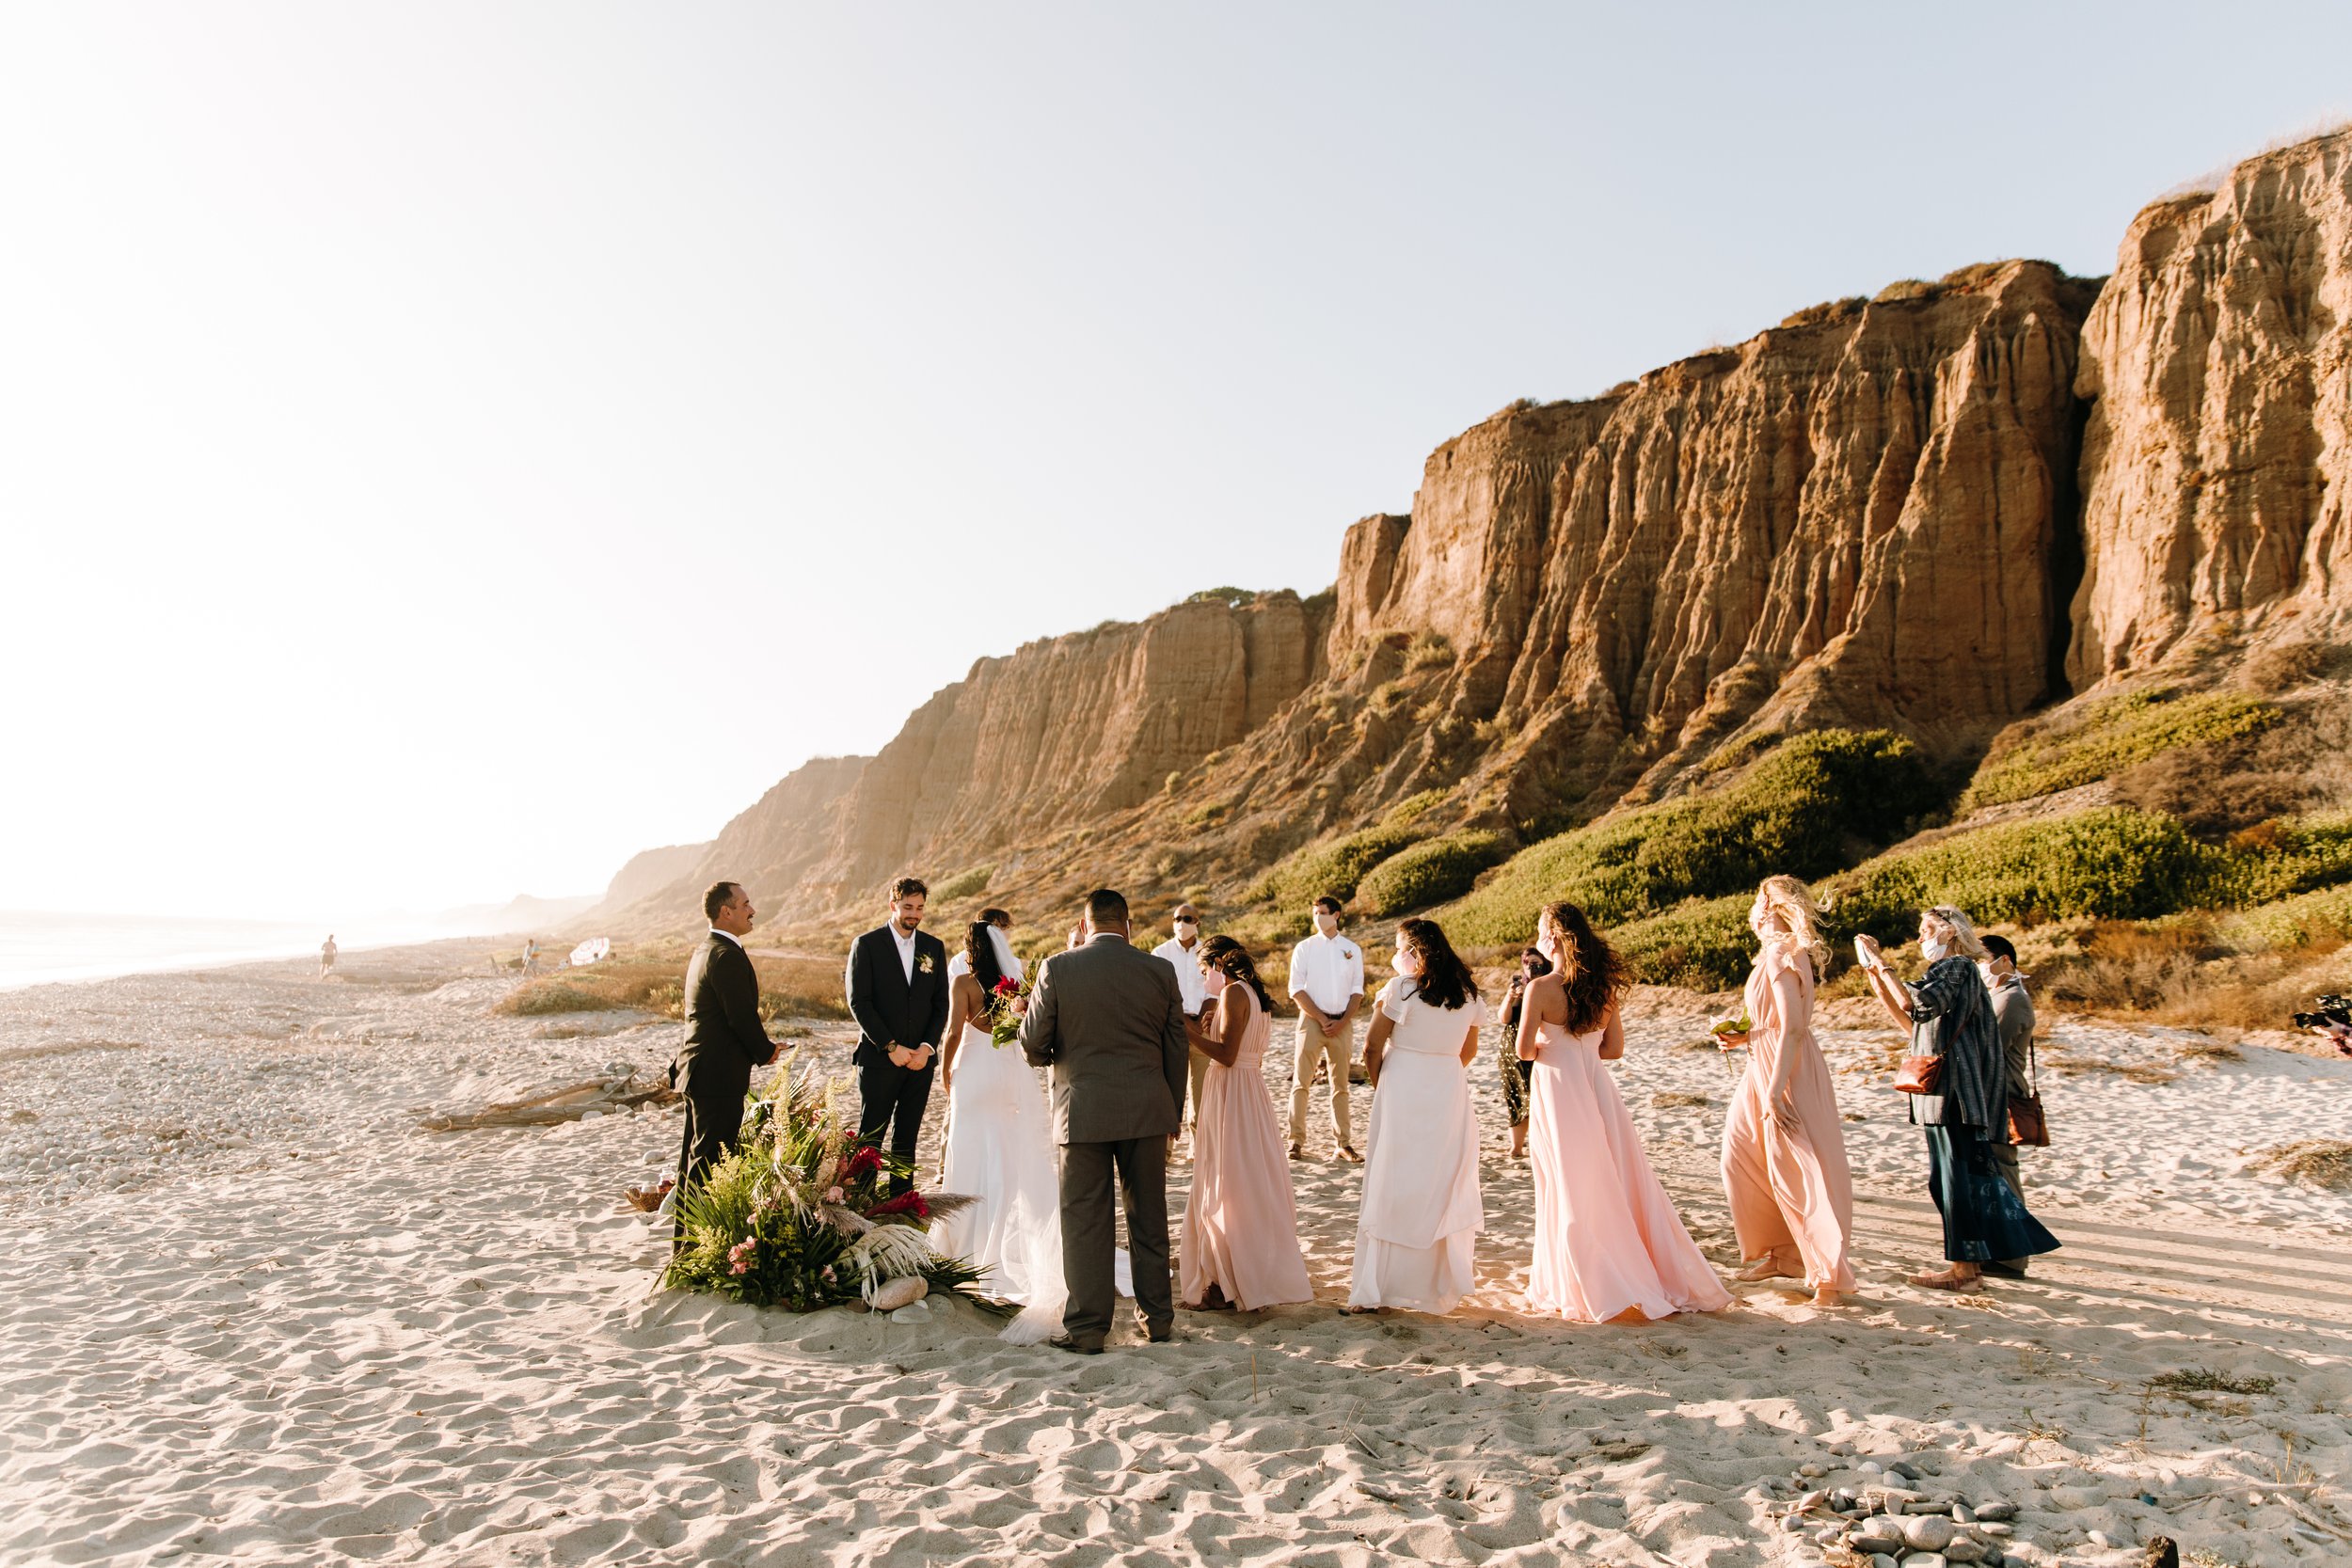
<point x="864" y="1160"/>
<point x="1009" y="988"/>
<point x="908" y="1202"/>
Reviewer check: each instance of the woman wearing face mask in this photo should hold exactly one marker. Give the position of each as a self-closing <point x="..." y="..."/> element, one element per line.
<point x="1507" y="1064"/>
<point x="1949" y="1015"/>
<point x="1240" y="1243"/>
<point x="1418" y="1228"/>
<point x="1784" y="1156"/>
<point x="1608" y="1242"/>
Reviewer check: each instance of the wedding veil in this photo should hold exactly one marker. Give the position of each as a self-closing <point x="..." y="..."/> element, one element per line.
<point x="1008" y="962"/>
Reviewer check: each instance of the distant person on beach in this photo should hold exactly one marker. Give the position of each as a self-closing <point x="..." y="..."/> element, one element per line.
<point x="1326" y="982"/>
<point x="898" y="992"/>
<point x="724" y="1039"/>
<point x="1784" y="1153"/>
<point x="1182" y="953"/>
<point x="2013" y="1021"/>
<point x="327" y="956"/>
<point x="531" y="955"/>
<point x="1949" y="1015"/>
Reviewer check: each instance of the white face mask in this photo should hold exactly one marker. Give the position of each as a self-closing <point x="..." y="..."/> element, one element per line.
<point x="1328" y="923"/>
<point x="1407" y="964"/>
<point x="1548" y="946"/>
<point x="1934" y="950"/>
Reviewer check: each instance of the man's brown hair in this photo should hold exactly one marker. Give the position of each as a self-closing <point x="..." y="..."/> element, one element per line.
<point x="717" y="896"/>
<point x="908" y="887"/>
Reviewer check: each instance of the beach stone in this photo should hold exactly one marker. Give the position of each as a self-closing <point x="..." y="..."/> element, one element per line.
<point x="1811" y="1469"/>
<point x="1889" y="1541"/>
<point x="1809" y="1499"/>
<point x="1902" y="1468"/>
<point x="1924" y="1560"/>
<point x="1884" y="1560"/>
<point x="1994" y="1508"/>
<point x="1964" y="1514"/>
<point x="1995" y="1528"/>
<point x="1887" y="1500"/>
<point x="1928" y="1505"/>
<point x="1871" y="1467"/>
<point x="1960" y="1549"/>
<point x="1791" y="1524"/>
<point x="1928" y="1533"/>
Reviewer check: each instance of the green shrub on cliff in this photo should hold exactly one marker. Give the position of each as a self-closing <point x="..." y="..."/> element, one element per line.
<point x="2111" y="736"/>
<point x="1334" y="867"/>
<point x="1802" y="809"/>
<point x="1429" y="872"/>
<point x="2107" y="864"/>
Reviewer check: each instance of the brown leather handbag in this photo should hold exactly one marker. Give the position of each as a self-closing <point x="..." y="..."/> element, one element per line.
<point x="1919" y="1074"/>
<point x="2027" y="1126"/>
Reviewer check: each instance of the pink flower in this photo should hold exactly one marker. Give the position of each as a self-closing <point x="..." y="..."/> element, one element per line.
<point x="739" y="1256"/>
<point x="834" y="1195"/>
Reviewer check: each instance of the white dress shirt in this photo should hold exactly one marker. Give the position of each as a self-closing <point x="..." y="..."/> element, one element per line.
<point x="1331" y="970"/>
<point x="906" y="948"/>
<point x="1187" y="963"/>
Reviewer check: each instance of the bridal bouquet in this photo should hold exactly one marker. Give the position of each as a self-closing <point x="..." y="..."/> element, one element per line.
<point x="1004" y="1011"/>
<point x="800" y="1215"/>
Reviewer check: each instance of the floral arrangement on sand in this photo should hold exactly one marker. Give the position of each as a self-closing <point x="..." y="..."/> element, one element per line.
<point x="800" y="1215"/>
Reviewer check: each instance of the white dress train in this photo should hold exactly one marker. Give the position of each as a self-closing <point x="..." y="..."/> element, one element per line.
<point x="1000" y="1150"/>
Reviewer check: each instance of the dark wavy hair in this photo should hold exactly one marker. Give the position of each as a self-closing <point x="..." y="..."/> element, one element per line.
<point x="1231" y="958"/>
<point x="982" y="952"/>
<point x="1589" y="968"/>
<point x="1444" y="981"/>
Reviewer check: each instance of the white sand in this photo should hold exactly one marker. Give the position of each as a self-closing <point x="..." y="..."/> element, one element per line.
<point x="253" y="1315"/>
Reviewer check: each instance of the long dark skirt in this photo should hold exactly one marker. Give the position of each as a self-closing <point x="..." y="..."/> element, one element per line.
<point x="1516" y="1075"/>
<point x="1984" y="1219"/>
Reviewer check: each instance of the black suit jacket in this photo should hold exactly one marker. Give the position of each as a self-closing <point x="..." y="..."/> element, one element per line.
<point x="724" y="1037"/>
<point x="889" y="1009"/>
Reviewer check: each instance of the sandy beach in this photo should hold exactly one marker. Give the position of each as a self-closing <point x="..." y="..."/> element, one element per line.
<point x="254" y="1314"/>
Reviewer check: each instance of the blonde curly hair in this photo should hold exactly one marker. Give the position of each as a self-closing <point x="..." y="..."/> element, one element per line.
<point x="1800" y="917"/>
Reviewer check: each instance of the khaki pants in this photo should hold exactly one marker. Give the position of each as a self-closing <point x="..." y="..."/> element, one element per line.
<point x="1314" y="1045"/>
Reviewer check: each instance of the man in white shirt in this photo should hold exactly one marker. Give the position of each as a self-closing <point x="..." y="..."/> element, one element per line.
<point x="1182" y="950"/>
<point x="1327" y="981"/>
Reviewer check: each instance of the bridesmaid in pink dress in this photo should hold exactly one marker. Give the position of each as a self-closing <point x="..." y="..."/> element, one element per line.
<point x="1783" y="1143"/>
<point x="1609" y="1244"/>
<point x="1240" y="1244"/>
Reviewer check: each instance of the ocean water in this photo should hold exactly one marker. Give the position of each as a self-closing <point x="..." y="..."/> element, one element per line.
<point x="36" y="947"/>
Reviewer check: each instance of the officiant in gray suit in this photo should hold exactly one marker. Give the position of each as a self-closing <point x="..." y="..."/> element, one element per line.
<point x="1109" y="1020"/>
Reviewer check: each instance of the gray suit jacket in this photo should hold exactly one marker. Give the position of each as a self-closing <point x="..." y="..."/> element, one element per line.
<point x="1109" y="1020"/>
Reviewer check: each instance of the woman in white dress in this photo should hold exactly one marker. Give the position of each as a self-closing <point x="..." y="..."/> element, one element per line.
<point x="1000" y="1146"/>
<point x="1416" y="1235"/>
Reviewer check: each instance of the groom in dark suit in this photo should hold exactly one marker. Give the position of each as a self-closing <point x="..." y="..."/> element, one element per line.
<point x="898" y="984"/>
<point x="724" y="1037"/>
<point x="1109" y="1020"/>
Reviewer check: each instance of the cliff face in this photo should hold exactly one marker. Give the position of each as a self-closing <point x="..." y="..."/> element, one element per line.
<point x="649" y="871"/>
<point x="1849" y="518"/>
<point x="2218" y="454"/>
<point x="1065" y="732"/>
<point x="1933" y="511"/>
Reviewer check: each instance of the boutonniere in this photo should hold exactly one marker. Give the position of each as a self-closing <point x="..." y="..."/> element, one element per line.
<point x="923" y="962"/>
<point x="1346" y="951"/>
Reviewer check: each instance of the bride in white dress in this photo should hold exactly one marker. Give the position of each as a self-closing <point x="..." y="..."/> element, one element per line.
<point x="1000" y="1147"/>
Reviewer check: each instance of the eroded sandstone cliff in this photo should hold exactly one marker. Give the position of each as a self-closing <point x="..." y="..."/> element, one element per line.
<point x="2217" y="460"/>
<point x="1933" y="511"/>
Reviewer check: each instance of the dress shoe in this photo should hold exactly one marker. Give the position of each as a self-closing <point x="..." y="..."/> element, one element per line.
<point x="1160" y="1336"/>
<point x="1297" y="1152"/>
<point x="2004" y="1271"/>
<point x="1349" y="1155"/>
<point x="1063" y="1341"/>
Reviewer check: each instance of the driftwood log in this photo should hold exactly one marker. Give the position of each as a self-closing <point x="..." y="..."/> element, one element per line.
<point x="621" y="1087"/>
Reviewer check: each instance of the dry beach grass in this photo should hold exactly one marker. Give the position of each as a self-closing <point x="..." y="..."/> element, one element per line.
<point x="258" y="1317"/>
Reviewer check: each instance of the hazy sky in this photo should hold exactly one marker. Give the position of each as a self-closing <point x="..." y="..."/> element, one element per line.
<point x="447" y="447"/>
